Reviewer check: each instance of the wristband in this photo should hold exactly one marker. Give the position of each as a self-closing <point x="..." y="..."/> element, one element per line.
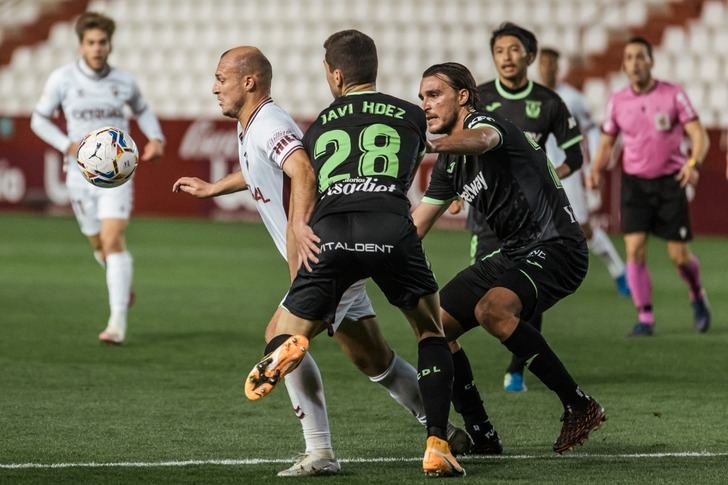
<point x="692" y="163"/>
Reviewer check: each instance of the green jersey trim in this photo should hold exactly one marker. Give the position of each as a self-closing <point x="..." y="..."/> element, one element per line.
<point x="430" y="200"/>
<point x="571" y="142"/>
<point x="490" y="255"/>
<point x="519" y="95"/>
<point x="356" y="93"/>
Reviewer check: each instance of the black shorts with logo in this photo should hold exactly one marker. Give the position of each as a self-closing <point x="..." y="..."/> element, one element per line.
<point x="658" y="206"/>
<point x="551" y="271"/>
<point x="358" y="245"/>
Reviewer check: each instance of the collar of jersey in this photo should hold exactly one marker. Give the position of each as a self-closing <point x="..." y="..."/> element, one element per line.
<point x="255" y="113"/>
<point x="90" y="73"/>
<point x="355" y="93"/>
<point x="519" y="95"/>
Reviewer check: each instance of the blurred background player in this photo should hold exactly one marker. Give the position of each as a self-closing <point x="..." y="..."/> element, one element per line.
<point x="365" y="148"/>
<point x="276" y="170"/>
<point x="599" y="242"/>
<point x="653" y="117"/>
<point x="505" y="175"/>
<point x="92" y="94"/>
<point x="537" y="111"/>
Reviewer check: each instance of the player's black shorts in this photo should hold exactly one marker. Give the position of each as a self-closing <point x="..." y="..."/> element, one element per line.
<point x="358" y="245"/>
<point x="658" y="206"/>
<point x="550" y="272"/>
<point x="483" y="243"/>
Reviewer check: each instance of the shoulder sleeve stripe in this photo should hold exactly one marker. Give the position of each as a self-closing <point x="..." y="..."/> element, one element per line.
<point x="571" y="142"/>
<point x="430" y="200"/>
<point x="285" y="157"/>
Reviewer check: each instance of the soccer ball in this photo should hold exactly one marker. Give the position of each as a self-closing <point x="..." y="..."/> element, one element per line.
<point x="107" y="157"/>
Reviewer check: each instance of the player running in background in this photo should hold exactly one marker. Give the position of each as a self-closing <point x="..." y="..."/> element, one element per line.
<point x="365" y="148"/>
<point x="278" y="173"/>
<point x="505" y="175"/>
<point x="92" y="94"/>
<point x="653" y="116"/>
<point x="537" y="111"/>
<point x="599" y="242"/>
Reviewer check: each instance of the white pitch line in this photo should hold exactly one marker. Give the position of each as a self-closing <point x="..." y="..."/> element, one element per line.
<point x="264" y="461"/>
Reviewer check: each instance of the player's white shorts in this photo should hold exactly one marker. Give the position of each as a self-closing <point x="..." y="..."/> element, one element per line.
<point x="91" y="204"/>
<point x="574" y="188"/>
<point x="354" y="304"/>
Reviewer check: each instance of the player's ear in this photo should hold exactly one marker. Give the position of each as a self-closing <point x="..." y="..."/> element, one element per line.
<point x="249" y="83"/>
<point x="338" y="78"/>
<point x="530" y="57"/>
<point x="463" y="97"/>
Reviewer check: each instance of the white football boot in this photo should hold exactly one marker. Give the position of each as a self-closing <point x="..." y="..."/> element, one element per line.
<point x="316" y="462"/>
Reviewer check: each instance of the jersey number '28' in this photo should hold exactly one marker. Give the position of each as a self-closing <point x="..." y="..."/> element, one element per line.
<point x="376" y="159"/>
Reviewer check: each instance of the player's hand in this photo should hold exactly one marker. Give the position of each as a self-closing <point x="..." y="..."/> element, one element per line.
<point x="194" y="186"/>
<point x="687" y="175"/>
<point x="72" y="150"/>
<point x="456" y="206"/>
<point x="563" y="171"/>
<point x="153" y="150"/>
<point x="593" y="180"/>
<point x="307" y="245"/>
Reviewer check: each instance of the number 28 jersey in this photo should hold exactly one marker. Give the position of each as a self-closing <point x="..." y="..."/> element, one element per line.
<point x="365" y="148"/>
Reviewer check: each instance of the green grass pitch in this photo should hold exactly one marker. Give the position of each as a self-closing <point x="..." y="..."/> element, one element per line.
<point x="205" y="292"/>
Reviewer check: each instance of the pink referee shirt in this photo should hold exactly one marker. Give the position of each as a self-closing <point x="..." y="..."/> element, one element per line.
<point x="652" y="128"/>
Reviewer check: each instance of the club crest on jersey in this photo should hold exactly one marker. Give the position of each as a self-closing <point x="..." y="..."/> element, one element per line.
<point x="533" y="108"/>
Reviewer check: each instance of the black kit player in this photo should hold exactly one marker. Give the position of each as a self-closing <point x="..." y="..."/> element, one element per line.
<point x="365" y="149"/>
<point x="536" y="110"/>
<point x="505" y="176"/>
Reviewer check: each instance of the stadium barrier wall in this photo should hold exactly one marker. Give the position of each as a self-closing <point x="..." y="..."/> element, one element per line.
<point x="32" y="179"/>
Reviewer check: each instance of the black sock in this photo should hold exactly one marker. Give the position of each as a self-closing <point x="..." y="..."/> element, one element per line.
<point x="434" y="376"/>
<point x="527" y="343"/>
<point x="518" y="364"/>
<point x="465" y="396"/>
<point x="275" y="342"/>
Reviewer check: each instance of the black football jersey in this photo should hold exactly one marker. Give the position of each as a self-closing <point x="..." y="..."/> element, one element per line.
<point x="365" y="148"/>
<point x="513" y="187"/>
<point x="536" y="110"/>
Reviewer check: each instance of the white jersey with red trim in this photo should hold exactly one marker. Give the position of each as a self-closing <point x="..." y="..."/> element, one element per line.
<point x="265" y="143"/>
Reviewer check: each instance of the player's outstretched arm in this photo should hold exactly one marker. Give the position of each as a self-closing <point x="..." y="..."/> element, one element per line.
<point x="466" y="142"/>
<point x="606" y="145"/>
<point x="303" y="197"/>
<point x="425" y="215"/>
<point x="196" y="187"/>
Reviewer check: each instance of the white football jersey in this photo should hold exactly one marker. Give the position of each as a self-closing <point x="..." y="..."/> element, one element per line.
<point x="576" y="103"/>
<point x="264" y="145"/>
<point x="90" y="100"/>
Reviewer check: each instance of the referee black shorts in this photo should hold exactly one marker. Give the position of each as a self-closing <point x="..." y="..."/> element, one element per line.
<point x="658" y="206"/>
<point x="358" y="245"/>
<point x="551" y="271"/>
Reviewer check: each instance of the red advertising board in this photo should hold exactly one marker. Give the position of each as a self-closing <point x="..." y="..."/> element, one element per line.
<point x="31" y="176"/>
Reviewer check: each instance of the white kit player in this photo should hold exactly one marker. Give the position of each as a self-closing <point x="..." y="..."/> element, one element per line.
<point x="93" y="94"/>
<point x="599" y="242"/>
<point x="279" y="175"/>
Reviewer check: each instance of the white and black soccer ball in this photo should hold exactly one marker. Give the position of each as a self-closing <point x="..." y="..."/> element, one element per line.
<point x="107" y="157"/>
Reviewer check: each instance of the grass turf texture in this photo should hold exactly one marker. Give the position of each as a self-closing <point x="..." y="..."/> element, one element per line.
<point x="205" y="291"/>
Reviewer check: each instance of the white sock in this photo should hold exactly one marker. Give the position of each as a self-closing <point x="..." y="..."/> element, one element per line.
<point x="118" y="280"/>
<point x="306" y="390"/>
<point x="602" y="246"/>
<point x="99" y="257"/>
<point x="400" y="379"/>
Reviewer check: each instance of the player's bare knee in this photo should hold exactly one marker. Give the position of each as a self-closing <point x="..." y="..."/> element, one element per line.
<point x="496" y="315"/>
